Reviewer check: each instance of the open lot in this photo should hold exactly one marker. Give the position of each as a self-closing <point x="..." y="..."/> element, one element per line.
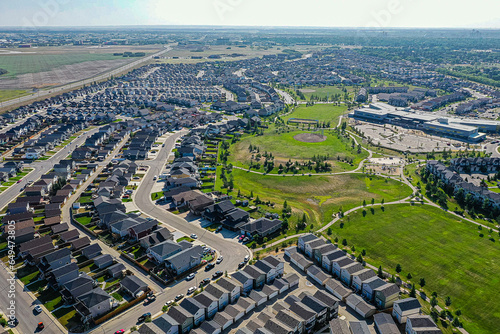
<point x="326" y="91"/>
<point x="321" y="112"/>
<point x="319" y="196"/>
<point x="448" y="252"/>
<point x="50" y="66"/>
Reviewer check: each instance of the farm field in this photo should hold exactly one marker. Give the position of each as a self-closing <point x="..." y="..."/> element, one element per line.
<point x="45" y="67"/>
<point x="449" y="253"/>
<point x="284" y="146"/>
<point x="319" y="196"/>
<point x="321" y="112"/>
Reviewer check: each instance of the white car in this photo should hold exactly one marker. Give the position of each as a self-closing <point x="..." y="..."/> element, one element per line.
<point x="191" y="290"/>
<point x="219" y="259"/>
<point x="194" y="236"/>
<point x="246" y="258"/>
<point x="170" y="302"/>
<point x="190" y="277"/>
<point x="38" y="309"/>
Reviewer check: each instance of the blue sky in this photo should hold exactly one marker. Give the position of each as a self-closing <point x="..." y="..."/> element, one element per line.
<point x="325" y="13"/>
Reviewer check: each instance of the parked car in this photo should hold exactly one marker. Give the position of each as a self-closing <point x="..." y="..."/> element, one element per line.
<point x="144" y="316"/>
<point x="217" y="274"/>
<point x="190" y="277"/>
<point x="204" y="282"/>
<point x="194" y="236"/>
<point x="40" y="326"/>
<point x="209" y="266"/>
<point x="191" y="290"/>
<point x="38" y="309"/>
<point x="179" y="297"/>
<point x="170" y="302"/>
<point x="120" y="331"/>
<point x="219" y="259"/>
<point x="247" y="258"/>
<point x="241" y="265"/>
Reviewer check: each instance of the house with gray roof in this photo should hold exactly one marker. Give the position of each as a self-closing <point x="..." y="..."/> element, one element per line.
<point x="404" y="308"/>
<point x="93" y="304"/>
<point x="208" y="301"/>
<point x="219" y="292"/>
<point x="133" y="285"/>
<point x="185" y="260"/>
<point x="184" y="318"/>
<point x="231" y="285"/>
<point x="160" y="252"/>
<point x="386" y="295"/>
<point x="384" y="323"/>
<point x="163" y="324"/>
<point x="195" y="308"/>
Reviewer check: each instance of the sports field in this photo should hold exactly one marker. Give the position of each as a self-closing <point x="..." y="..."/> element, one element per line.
<point x="284" y="146"/>
<point x="319" y="196"/>
<point x="321" y="112"/>
<point x="449" y="253"/>
<point x="326" y="91"/>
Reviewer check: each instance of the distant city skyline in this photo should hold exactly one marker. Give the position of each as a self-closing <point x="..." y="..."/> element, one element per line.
<point x="318" y="13"/>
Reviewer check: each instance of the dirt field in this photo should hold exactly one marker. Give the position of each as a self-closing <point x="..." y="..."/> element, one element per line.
<point x="62" y="75"/>
<point x="51" y="66"/>
<point x="310" y="137"/>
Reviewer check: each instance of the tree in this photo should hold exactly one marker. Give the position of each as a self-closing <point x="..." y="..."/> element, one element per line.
<point x="458" y="313"/>
<point x="373" y="201"/>
<point x="360" y="258"/>
<point x="363" y="252"/>
<point x="364" y="203"/>
<point x="398" y="268"/>
<point x="434" y="301"/>
<point x="456" y="322"/>
<point x="380" y="273"/>
<point x="382" y="202"/>
<point x="409" y="276"/>
<point x="251" y="194"/>
<point x="413" y="292"/>
<point x="447" y="301"/>
<point x="344" y="242"/>
<point x="422" y="282"/>
<point x="329" y="231"/>
<point x="336" y="240"/>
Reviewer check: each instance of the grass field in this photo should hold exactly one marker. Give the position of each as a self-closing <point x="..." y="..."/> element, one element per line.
<point x="448" y="252"/>
<point x="320" y="112"/>
<point x="319" y="196"/>
<point x="283" y="146"/>
<point x="324" y="91"/>
<point x="34" y="63"/>
<point x="9" y="94"/>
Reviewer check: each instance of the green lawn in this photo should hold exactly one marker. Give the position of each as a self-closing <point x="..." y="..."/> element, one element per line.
<point x="85" y="220"/>
<point x="184" y="238"/>
<point x="9" y="94"/>
<point x="284" y="146"/>
<point x="448" y="252"/>
<point x="213" y="227"/>
<point x="35" y="63"/>
<point x="117" y="296"/>
<point x="324" y="91"/>
<point x="51" y="299"/>
<point x="320" y="112"/>
<point x="319" y="196"/>
<point x="156" y="195"/>
<point x="68" y="317"/>
<point x="85" y="199"/>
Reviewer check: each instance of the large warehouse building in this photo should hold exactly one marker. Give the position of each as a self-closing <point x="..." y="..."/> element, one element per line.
<point x="457" y="128"/>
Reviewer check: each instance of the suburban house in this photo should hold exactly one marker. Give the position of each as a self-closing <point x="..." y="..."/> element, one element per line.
<point x="133" y="285"/>
<point x="93" y="304"/>
<point x="421" y="324"/>
<point x="386" y="295"/>
<point x="404" y="308"/>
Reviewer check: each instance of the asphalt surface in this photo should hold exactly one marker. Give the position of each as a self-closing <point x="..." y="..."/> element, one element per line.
<point x="232" y="252"/>
<point x="28" y="319"/>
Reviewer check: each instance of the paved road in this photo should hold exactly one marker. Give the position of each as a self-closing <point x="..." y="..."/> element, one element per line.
<point x="40" y="94"/>
<point x="232" y="252"/>
<point x="24" y="302"/>
<point x="41" y="167"/>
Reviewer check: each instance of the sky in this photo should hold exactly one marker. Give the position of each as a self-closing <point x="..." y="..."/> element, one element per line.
<point x="314" y="13"/>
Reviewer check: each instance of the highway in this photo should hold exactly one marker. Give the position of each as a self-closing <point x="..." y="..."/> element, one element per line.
<point x="232" y="252"/>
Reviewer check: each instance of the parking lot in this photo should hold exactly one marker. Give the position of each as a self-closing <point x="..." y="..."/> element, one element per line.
<point x="402" y="139"/>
